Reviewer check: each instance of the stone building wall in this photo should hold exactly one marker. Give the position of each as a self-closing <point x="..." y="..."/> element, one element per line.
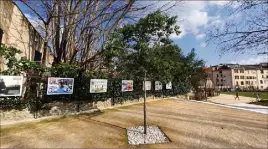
<point x="19" y="33"/>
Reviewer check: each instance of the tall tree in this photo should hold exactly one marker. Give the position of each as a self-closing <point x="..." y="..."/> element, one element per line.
<point x="248" y="34"/>
<point x="76" y="30"/>
<point x="190" y="72"/>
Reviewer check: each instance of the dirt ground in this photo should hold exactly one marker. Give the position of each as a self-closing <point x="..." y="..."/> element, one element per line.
<point x="187" y="124"/>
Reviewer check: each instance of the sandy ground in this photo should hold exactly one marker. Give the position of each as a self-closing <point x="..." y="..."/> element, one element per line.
<point x="187" y="124"/>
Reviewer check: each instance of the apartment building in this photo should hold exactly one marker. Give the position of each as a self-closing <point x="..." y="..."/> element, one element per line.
<point x="17" y="31"/>
<point x="240" y="76"/>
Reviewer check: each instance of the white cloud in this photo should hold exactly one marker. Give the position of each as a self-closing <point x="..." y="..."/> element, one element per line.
<point x="192" y="15"/>
<point x="195" y="20"/>
<point x="200" y="36"/>
<point x="219" y="3"/>
<point x="252" y="60"/>
<point x="214" y="21"/>
<point x="203" y="45"/>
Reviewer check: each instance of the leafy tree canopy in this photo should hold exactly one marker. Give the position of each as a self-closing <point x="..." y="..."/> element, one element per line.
<point x="145" y="46"/>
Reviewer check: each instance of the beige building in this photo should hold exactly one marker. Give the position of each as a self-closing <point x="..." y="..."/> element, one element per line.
<point x="241" y="76"/>
<point x="17" y="31"/>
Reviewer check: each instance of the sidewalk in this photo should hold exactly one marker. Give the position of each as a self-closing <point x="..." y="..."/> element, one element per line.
<point x="230" y="99"/>
<point x="242" y="104"/>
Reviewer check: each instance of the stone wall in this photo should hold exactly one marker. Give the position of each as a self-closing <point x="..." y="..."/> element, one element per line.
<point x="15" y="115"/>
<point x="63" y="108"/>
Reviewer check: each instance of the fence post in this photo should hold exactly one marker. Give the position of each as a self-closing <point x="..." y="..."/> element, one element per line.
<point x="79" y="99"/>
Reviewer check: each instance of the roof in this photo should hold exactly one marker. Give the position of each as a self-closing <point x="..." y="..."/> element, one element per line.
<point x="238" y="66"/>
<point x="28" y="20"/>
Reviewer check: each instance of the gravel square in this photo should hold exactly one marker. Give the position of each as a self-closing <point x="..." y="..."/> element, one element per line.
<point x="154" y="135"/>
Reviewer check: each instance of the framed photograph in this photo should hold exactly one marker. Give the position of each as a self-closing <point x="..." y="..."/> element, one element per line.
<point x="169" y="86"/>
<point x="158" y="85"/>
<point x="98" y="85"/>
<point x="11" y="85"/>
<point x="127" y="85"/>
<point x="148" y="85"/>
<point x="58" y="86"/>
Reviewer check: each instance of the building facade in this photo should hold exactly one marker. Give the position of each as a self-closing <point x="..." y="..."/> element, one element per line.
<point x="240" y="76"/>
<point x="18" y="32"/>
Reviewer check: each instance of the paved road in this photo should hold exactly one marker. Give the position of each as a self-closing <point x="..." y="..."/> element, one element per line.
<point x="251" y="107"/>
<point x="230" y="99"/>
<point x="187" y="124"/>
<point x="242" y="104"/>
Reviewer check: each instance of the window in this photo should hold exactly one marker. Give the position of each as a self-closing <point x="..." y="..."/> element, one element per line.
<point x="241" y="71"/>
<point x="247" y="82"/>
<point x="236" y="82"/>
<point x="241" y="77"/>
<point x="37" y="56"/>
<point x="221" y="80"/>
<point x="261" y="86"/>
<point x="262" y="76"/>
<point x="236" y="71"/>
<point x="261" y="81"/>
<point x="221" y="75"/>
<point x="220" y="71"/>
<point x="1" y="35"/>
<point x="266" y="76"/>
<point x="217" y="75"/>
<point x="236" y="77"/>
<point x="253" y="72"/>
<point x="264" y="81"/>
<point x="242" y="82"/>
<point x="261" y="71"/>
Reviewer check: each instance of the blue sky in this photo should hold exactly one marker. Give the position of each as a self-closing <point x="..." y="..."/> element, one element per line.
<point x="200" y="16"/>
<point x="195" y="18"/>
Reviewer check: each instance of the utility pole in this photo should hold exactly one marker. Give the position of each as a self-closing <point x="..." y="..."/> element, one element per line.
<point x="144" y="104"/>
